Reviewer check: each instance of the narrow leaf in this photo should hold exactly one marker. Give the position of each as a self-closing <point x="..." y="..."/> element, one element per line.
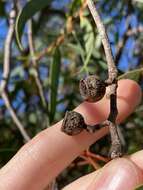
<point x="30" y="9"/>
<point x="76" y="48"/>
<point x="140" y="1"/>
<point x="88" y="39"/>
<point x="54" y="81"/>
<point x="134" y="74"/>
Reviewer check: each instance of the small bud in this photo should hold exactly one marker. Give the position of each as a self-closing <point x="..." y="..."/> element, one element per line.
<point x="73" y="123"/>
<point x="92" y="89"/>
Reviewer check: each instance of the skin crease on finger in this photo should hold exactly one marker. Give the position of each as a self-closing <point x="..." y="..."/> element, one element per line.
<point x="44" y="157"/>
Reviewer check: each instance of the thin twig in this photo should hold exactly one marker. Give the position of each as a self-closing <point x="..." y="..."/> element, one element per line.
<point x="91" y="161"/>
<point x="81" y="10"/>
<point x="14" y="116"/>
<point x="135" y="30"/>
<point x="96" y="156"/>
<point x="6" y="71"/>
<point x="122" y="42"/>
<point x="105" y="41"/>
<point x="49" y="49"/>
<point x="80" y="163"/>
<point x="34" y="63"/>
<point x="7" y="50"/>
<point x="112" y="81"/>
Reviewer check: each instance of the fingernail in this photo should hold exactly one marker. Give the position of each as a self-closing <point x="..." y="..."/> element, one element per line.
<point x="119" y="174"/>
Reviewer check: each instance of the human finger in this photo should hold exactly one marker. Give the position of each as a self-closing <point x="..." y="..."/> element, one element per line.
<point x="45" y="156"/>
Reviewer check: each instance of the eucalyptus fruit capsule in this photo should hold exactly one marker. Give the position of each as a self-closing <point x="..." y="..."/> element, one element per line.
<point x="92" y="89"/>
<point x="73" y="123"/>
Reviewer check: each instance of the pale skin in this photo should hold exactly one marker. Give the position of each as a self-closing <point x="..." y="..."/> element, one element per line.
<point x="51" y="151"/>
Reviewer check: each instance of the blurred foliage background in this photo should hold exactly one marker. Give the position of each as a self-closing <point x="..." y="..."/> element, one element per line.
<point x="44" y="84"/>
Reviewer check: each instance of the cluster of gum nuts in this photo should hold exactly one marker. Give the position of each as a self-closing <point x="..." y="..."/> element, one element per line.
<point x="92" y="89"/>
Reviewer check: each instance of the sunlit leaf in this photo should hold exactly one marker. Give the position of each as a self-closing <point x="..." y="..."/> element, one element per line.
<point x="88" y="35"/>
<point x="88" y="39"/>
<point x="79" y="46"/>
<point x="30" y="9"/>
<point x="140" y="1"/>
<point x="76" y="48"/>
<point x="17" y="72"/>
<point x="134" y="74"/>
<point x="98" y="42"/>
<point x="33" y="118"/>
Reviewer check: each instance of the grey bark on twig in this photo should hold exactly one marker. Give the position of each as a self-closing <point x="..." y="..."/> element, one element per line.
<point x="111" y="81"/>
<point x="105" y="41"/>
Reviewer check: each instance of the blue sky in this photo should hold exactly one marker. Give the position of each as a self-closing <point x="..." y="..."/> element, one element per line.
<point x="127" y="61"/>
<point x="126" y="57"/>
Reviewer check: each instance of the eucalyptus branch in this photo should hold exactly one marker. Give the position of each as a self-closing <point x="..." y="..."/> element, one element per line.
<point x="6" y="71"/>
<point x="105" y="41"/>
<point x="34" y="63"/>
<point x="92" y="89"/>
<point x="111" y="81"/>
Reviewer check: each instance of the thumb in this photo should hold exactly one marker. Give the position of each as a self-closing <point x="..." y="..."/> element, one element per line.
<point x="119" y="174"/>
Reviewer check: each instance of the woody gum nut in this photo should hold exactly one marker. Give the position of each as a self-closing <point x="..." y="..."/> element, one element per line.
<point x="73" y="123"/>
<point x="92" y="89"/>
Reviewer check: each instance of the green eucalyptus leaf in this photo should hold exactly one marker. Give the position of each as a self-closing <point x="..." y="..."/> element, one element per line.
<point x="33" y="118"/>
<point x="140" y="188"/>
<point x="82" y="52"/>
<point x="2" y="10"/>
<point x="54" y="81"/>
<point x="89" y="34"/>
<point x="140" y="1"/>
<point x="17" y="71"/>
<point x="134" y="74"/>
<point x="88" y="39"/>
<point x="32" y="71"/>
<point x="30" y="9"/>
<point x="76" y="48"/>
<point x="98" y="42"/>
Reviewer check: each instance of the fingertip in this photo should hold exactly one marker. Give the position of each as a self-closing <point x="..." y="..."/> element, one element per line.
<point x="131" y="89"/>
<point x="138" y="159"/>
<point x="129" y="96"/>
<point x="118" y="174"/>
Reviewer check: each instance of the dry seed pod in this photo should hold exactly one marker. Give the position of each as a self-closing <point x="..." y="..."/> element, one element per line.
<point x="73" y="123"/>
<point x="92" y="89"/>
